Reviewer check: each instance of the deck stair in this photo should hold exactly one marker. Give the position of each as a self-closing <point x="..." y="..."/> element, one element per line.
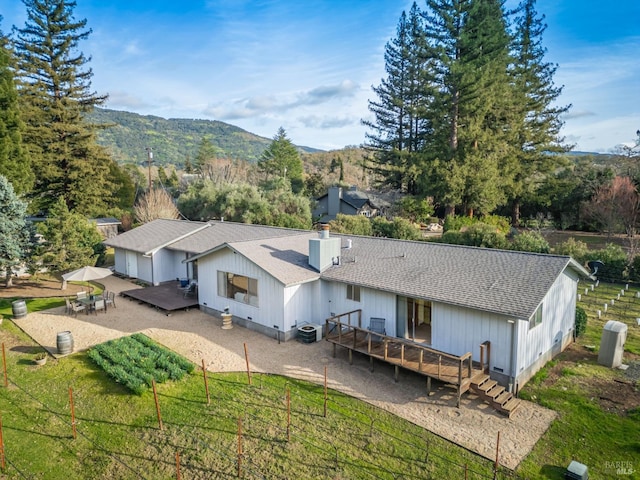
<point x="493" y="394"/>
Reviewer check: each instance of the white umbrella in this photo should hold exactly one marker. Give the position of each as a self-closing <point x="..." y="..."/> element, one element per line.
<point x="85" y="274"/>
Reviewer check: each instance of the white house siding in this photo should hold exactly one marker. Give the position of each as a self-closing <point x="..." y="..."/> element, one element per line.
<point x="373" y="303"/>
<point x="145" y="268"/>
<point x="167" y="265"/>
<point x="300" y="305"/>
<point x="120" y="258"/>
<point x="270" y="309"/>
<point x="539" y="344"/>
<point x="460" y="330"/>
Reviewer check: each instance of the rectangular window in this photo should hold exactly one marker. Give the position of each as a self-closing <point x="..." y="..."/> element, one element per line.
<point x="536" y="318"/>
<point x="353" y="293"/>
<point x="238" y="287"/>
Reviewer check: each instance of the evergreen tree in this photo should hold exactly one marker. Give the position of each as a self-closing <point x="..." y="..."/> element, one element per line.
<point x="400" y="125"/>
<point x="469" y="147"/>
<point x="206" y="153"/>
<point x="282" y="159"/>
<point x="70" y="240"/>
<point x="14" y="164"/>
<point x="536" y="128"/>
<point x="55" y="96"/>
<point x="14" y="231"/>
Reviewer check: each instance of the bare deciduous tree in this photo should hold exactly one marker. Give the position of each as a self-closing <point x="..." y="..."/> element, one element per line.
<point x="155" y="204"/>
<point x="616" y="207"/>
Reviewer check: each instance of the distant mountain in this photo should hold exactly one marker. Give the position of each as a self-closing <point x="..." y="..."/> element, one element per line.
<point x="173" y="140"/>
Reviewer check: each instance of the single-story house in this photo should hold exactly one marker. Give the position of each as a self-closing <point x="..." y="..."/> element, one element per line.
<point x="349" y="201"/>
<point x="449" y="297"/>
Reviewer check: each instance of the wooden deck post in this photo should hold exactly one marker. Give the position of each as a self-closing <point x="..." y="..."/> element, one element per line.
<point x="402" y="354"/>
<point x="334" y="350"/>
<point x="428" y="385"/>
<point x="397" y="373"/>
<point x="350" y="357"/>
<point x="482" y="357"/>
<point x="386" y="350"/>
<point x="439" y="365"/>
<point x="420" y="361"/>
<point x="459" y="382"/>
<point x="371" y="363"/>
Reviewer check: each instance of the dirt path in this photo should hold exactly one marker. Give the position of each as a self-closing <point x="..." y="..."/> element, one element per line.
<point x="199" y="336"/>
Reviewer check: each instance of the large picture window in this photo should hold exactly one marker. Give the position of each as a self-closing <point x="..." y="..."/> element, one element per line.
<point x="238" y="287"/>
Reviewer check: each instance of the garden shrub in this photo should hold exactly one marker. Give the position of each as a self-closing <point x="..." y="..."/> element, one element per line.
<point x="616" y="264"/>
<point x="529" y="241"/>
<point x="581" y="322"/>
<point x="576" y="249"/>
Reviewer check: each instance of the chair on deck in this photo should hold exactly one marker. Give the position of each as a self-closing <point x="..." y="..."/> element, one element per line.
<point x="191" y="291"/>
<point x="81" y="294"/>
<point x="377" y="325"/>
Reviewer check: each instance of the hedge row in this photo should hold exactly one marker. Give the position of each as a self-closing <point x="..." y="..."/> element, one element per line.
<point x="137" y="360"/>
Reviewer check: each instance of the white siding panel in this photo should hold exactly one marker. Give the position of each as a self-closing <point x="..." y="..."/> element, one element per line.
<point x="459" y="330"/>
<point x="373" y="303"/>
<point x="270" y="309"/>
<point x="558" y="318"/>
<point x="168" y="265"/>
<point x="120" y="258"/>
<point x="144" y="268"/>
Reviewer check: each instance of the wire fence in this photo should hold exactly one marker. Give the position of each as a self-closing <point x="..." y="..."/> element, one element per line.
<point x="265" y="429"/>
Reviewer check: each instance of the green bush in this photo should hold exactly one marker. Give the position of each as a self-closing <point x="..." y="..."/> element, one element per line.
<point x="616" y="264"/>
<point x="576" y="249"/>
<point x="457" y="222"/>
<point x="529" y="241"/>
<point x="581" y="322"/>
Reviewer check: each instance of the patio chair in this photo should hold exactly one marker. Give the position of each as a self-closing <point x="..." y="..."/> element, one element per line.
<point x="191" y="291"/>
<point x="377" y="325"/>
<point x="74" y="308"/>
<point x="110" y="299"/>
<point x="99" y="305"/>
<point x="81" y="294"/>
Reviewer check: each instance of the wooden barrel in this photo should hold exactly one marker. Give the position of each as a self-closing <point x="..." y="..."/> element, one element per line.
<point x="65" y="343"/>
<point x="19" y="308"/>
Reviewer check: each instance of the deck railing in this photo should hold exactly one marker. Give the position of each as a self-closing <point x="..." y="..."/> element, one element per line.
<point x="453" y="369"/>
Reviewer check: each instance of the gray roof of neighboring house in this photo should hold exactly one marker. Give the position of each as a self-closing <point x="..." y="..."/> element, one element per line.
<point x="500" y="281"/>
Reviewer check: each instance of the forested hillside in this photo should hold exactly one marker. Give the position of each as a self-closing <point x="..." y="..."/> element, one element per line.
<point x="173" y="140"/>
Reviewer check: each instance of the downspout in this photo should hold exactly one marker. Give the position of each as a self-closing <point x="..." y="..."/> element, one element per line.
<point x="512" y="374"/>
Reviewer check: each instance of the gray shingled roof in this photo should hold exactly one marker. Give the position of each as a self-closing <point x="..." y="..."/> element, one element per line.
<point x="227" y="232"/>
<point x="152" y="235"/>
<point x="285" y="258"/>
<point x="505" y="282"/>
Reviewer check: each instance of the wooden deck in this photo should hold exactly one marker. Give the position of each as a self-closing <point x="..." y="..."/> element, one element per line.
<point x="167" y="297"/>
<point x="346" y="330"/>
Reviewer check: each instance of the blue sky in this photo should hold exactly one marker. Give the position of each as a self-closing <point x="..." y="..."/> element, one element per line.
<point x="308" y="66"/>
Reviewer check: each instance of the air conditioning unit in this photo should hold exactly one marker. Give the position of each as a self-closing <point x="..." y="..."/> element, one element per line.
<point x="576" y="471"/>
<point x="310" y="333"/>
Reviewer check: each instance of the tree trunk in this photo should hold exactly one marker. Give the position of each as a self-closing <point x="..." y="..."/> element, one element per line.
<point x="515" y="213"/>
<point x="449" y="211"/>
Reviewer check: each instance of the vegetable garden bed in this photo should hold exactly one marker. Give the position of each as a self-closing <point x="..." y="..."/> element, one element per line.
<point x="136" y="361"/>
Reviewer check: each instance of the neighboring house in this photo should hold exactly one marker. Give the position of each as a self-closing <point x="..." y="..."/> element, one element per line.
<point x="450" y="297"/>
<point x="108" y="227"/>
<point x="346" y="201"/>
